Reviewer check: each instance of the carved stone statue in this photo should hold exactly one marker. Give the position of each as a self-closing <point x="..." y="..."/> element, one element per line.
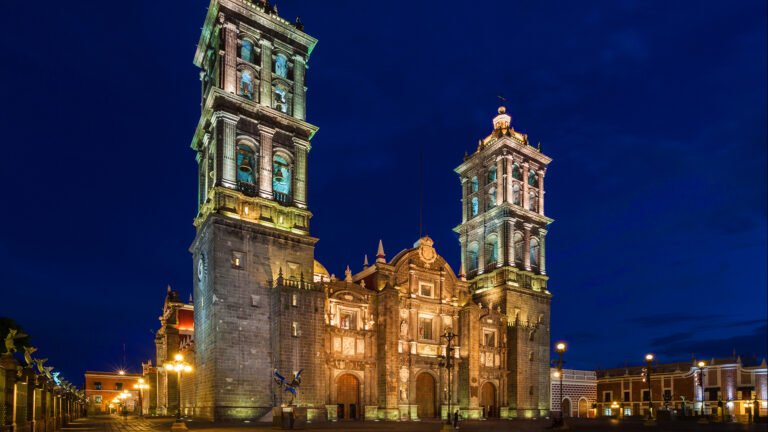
<point x="404" y="328"/>
<point x="28" y="351"/>
<point x="39" y="363"/>
<point x="10" y="341"/>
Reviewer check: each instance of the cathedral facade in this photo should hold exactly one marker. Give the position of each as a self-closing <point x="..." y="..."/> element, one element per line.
<point x="370" y="345"/>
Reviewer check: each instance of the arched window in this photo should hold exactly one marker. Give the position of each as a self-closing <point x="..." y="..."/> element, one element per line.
<point x="516" y="194"/>
<point x="516" y="174"/>
<point x="492" y="250"/>
<point x="474" y="185"/>
<point x="532" y="178"/>
<point x="472" y="251"/>
<point x="246" y="84"/>
<point x="475" y="204"/>
<point x="246" y="51"/>
<point x="281" y="98"/>
<point x="281" y="176"/>
<point x="246" y="164"/>
<point x="518" y="241"/>
<point x="281" y="66"/>
<point x="492" y="198"/>
<point x="534" y="252"/>
<point x="532" y="201"/>
<point x="492" y="174"/>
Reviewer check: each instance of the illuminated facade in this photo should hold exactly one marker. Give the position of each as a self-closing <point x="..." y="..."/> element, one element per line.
<point x="723" y="386"/>
<point x="368" y="345"/>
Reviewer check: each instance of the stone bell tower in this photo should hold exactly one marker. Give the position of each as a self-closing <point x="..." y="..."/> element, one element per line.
<point x="502" y="234"/>
<point x="251" y="144"/>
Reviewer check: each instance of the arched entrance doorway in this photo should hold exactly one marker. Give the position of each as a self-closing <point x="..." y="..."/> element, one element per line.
<point x="425" y="395"/>
<point x="566" y="407"/>
<point x="348" y="397"/>
<point x="488" y="400"/>
<point x="583" y="410"/>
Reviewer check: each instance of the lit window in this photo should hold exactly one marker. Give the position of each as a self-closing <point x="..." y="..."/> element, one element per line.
<point x="295" y="329"/>
<point x="492" y="250"/>
<point x="492" y="174"/>
<point x="534" y="252"/>
<point x="516" y="194"/>
<point x="472" y="252"/>
<point x="516" y="172"/>
<point x="294" y="300"/>
<point x="425" y="328"/>
<point x="281" y="175"/>
<point x="246" y="84"/>
<point x="281" y="66"/>
<point x="474" y="185"/>
<point x="281" y="99"/>
<point x="246" y="164"/>
<point x="475" y="204"/>
<point x="97" y="385"/>
<point x="246" y="51"/>
<point x="97" y="398"/>
<point x="489" y="338"/>
<point x="237" y="260"/>
<point x="518" y="238"/>
<point x="348" y="320"/>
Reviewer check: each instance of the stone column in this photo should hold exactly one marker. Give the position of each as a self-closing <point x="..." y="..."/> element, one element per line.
<point x="265" y="158"/>
<point x="206" y="163"/>
<point x="300" y="174"/>
<point x="230" y="57"/>
<point x="481" y="253"/>
<point x="226" y="132"/>
<point x="499" y="181"/>
<point x="541" y="191"/>
<point x="299" y="98"/>
<point x="542" y="254"/>
<point x="464" y="199"/>
<point x="508" y="162"/>
<point x="525" y="186"/>
<point x="527" y="246"/>
<point x="509" y="241"/>
<point x="7" y="391"/>
<point x="265" y="83"/>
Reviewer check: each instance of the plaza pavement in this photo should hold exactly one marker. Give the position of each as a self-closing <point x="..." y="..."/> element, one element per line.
<point x="134" y="424"/>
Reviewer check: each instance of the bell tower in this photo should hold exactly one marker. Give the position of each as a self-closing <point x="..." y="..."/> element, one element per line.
<point x="251" y="146"/>
<point x="502" y="234"/>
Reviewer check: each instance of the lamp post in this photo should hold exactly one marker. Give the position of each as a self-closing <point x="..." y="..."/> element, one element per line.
<point x="560" y="349"/>
<point x="756" y="408"/>
<point x="178" y="365"/>
<point x="700" y="365"/>
<point x="447" y="362"/>
<point x="649" y="361"/>
<point x="140" y="386"/>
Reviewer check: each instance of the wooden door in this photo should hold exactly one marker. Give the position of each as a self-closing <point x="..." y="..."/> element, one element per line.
<point x="583" y="408"/>
<point x="566" y="407"/>
<point x="488" y="400"/>
<point x="425" y="395"/>
<point x="348" y="396"/>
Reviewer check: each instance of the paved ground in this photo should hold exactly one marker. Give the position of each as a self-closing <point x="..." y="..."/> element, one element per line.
<point x="133" y="424"/>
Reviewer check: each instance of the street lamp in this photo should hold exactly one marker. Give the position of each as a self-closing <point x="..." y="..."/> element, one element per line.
<point x="649" y="361"/>
<point x="178" y="365"/>
<point x="447" y="362"/>
<point x="701" y="365"/>
<point x="560" y="349"/>
<point x="140" y="387"/>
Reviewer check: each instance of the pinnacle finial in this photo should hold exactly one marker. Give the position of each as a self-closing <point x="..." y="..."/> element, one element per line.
<point x="347" y="275"/>
<point x="365" y="261"/>
<point x="381" y="257"/>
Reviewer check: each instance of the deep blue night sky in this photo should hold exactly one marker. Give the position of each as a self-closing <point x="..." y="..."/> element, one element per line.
<point x="654" y="113"/>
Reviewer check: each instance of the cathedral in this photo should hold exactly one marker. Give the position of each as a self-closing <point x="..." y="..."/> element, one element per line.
<point x="370" y="345"/>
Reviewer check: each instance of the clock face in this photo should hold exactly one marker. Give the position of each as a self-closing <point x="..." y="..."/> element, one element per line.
<point x="201" y="268"/>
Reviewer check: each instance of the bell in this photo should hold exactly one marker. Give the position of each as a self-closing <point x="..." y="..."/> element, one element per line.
<point x="279" y="175"/>
<point x="245" y="166"/>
